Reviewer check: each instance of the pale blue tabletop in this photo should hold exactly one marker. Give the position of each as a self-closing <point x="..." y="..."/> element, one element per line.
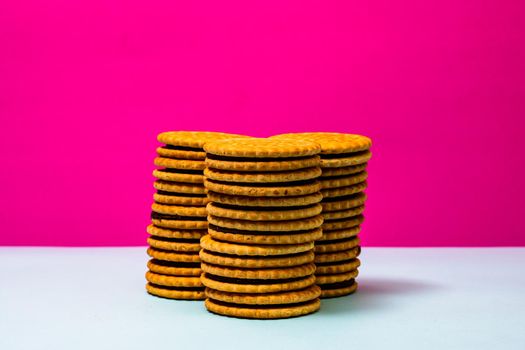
<point x="94" y="298"/>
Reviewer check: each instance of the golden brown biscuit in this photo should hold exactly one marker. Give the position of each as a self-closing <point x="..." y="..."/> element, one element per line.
<point x="257" y="261"/>
<point x="262" y="311"/>
<point x="262" y="148"/>
<point x="264" y="214"/>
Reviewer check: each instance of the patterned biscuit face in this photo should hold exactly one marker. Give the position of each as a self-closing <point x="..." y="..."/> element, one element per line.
<point x="332" y="142"/>
<point x="262" y="148"/>
<point x="193" y="139"/>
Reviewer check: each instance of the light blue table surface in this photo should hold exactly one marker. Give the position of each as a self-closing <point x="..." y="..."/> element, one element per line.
<point x="94" y="298"/>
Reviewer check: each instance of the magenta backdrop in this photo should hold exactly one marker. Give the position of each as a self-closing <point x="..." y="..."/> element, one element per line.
<point x="85" y="86"/>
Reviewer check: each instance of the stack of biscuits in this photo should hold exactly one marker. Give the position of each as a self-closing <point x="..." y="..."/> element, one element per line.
<point x="264" y="216"/>
<point x="344" y="159"/>
<point x="178" y="215"/>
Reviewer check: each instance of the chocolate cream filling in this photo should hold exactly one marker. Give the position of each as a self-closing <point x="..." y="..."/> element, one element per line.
<point x="175" y="240"/>
<point x="337" y="177"/>
<point x="343" y="155"/>
<point x="252" y="281"/>
<point x="338" y="285"/>
<point x="258" y="257"/>
<point x="342" y="219"/>
<point x="183" y="148"/>
<point x="181" y="171"/>
<point x="266" y="184"/>
<point x="177" y="194"/>
<point x="174" y="252"/>
<point x="159" y="216"/>
<point x="262" y="233"/>
<point x="175" y="264"/>
<point x="195" y="289"/>
<point x="343" y="198"/>
<point x="242" y="207"/>
<point x="335" y="263"/>
<point x="260" y="306"/>
<point x="334" y="241"/>
<point x="254" y="159"/>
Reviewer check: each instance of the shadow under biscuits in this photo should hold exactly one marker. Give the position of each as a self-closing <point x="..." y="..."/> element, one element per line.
<point x="375" y="293"/>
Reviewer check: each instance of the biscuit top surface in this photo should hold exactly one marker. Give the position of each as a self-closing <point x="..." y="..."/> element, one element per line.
<point x="331" y="142"/>
<point x="194" y="139"/>
<point x="262" y="148"/>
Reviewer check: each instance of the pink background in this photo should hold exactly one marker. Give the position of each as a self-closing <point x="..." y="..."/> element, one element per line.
<point x="85" y="86"/>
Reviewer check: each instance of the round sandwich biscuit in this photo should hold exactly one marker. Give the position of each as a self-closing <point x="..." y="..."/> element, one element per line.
<point x="266" y="273"/>
<point x="262" y="148"/>
<point x="349" y="170"/>
<point x="299" y="188"/>
<point x="177" y="176"/>
<point x="287" y="201"/>
<point x="178" y="293"/>
<point x="345" y="160"/>
<point x="176" y="152"/>
<point x="180" y="234"/>
<point x="343" y="203"/>
<point x="261" y="177"/>
<point x="179" y="187"/>
<point x="235" y="285"/>
<point x="338" y="224"/>
<point x="337" y="256"/>
<point x="331" y="142"/>
<point x="338" y="289"/>
<point x="257" y="261"/>
<point x="292" y="297"/>
<point x="337" y="267"/>
<point x="210" y="244"/>
<point x="263" y="214"/>
<point x="246" y="225"/>
<point x="343" y="214"/>
<point x="168" y="255"/>
<point x="336" y="278"/>
<point x="343" y="181"/>
<point x="194" y="139"/>
<point x="179" y="210"/>
<point x="173" y="281"/>
<point x="174" y="268"/>
<point x="261" y="164"/>
<point x="186" y="199"/>
<point x="184" y="164"/>
<point x="174" y="244"/>
<point x="255" y="237"/>
<point x="340" y="234"/>
<point x="262" y="311"/>
<point x="337" y="245"/>
<point x="343" y="191"/>
<point x="178" y="222"/>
